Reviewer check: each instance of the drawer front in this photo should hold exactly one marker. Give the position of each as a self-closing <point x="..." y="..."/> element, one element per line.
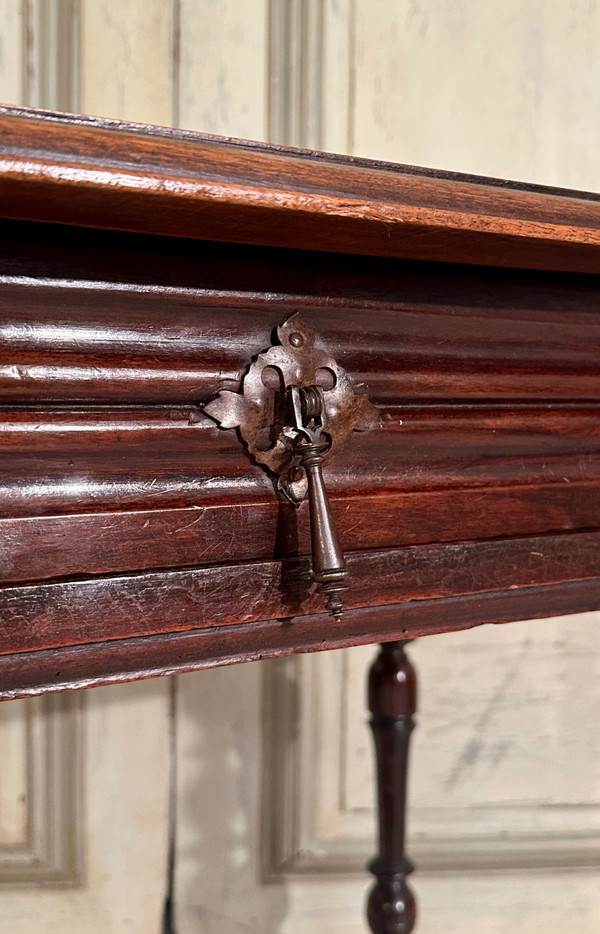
<point x="130" y="524"/>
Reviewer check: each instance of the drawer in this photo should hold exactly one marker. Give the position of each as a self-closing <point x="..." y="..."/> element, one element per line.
<point x="142" y="270"/>
<point x="130" y="523"/>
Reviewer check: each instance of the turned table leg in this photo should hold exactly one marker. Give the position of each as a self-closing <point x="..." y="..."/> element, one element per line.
<point x="392" y="702"/>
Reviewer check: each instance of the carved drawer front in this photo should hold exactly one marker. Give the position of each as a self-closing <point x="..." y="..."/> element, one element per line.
<point x="173" y="544"/>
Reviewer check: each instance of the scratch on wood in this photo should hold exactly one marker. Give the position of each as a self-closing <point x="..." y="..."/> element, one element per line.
<point x="195" y="521"/>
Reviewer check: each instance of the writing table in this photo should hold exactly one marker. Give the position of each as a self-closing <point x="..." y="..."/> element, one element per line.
<point x="143" y="271"/>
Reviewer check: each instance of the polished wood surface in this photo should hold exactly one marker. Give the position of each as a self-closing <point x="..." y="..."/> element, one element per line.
<point x="142" y="269"/>
<point x="101" y="173"/>
<point x="393" y="703"/>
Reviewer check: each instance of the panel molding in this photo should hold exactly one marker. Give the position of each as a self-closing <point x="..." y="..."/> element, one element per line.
<point x="51" y="54"/>
<point x="310" y="84"/>
<point x="40" y="738"/>
<point x="296" y="72"/>
<point x="309" y="828"/>
<point x="49" y="848"/>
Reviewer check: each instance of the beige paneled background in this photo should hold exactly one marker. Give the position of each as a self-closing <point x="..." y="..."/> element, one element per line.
<point x="268" y="765"/>
<point x="85" y="779"/>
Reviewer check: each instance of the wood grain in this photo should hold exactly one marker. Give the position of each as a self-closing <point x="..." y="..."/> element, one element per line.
<point x="98" y="173"/>
<point x="140" y="271"/>
<point x="89" y="317"/>
<point x="96" y="490"/>
<point x="57" y="614"/>
<point x="82" y="666"/>
<point x="59" y="546"/>
<point x="95" y="458"/>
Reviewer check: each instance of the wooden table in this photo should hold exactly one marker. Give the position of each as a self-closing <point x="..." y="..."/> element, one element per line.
<point x="143" y="270"/>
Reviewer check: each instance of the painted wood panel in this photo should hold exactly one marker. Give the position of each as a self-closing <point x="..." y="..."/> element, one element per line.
<point x="127" y="59"/>
<point x="13" y="786"/>
<point x="124" y="793"/>
<point x="40" y="740"/>
<point x="85" y="794"/>
<point x="41" y="828"/>
<point x="489" y="789"/>
<point x="535" y="903"/>
<point x="11" y="51"/>
<point x="500" y="88"/>
<point x="222" y="67"/>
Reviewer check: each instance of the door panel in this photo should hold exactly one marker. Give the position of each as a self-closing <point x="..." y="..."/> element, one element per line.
<point x="85" y="777"/>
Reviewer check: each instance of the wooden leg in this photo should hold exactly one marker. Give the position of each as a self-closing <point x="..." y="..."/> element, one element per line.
<point x="392" y="702"/>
